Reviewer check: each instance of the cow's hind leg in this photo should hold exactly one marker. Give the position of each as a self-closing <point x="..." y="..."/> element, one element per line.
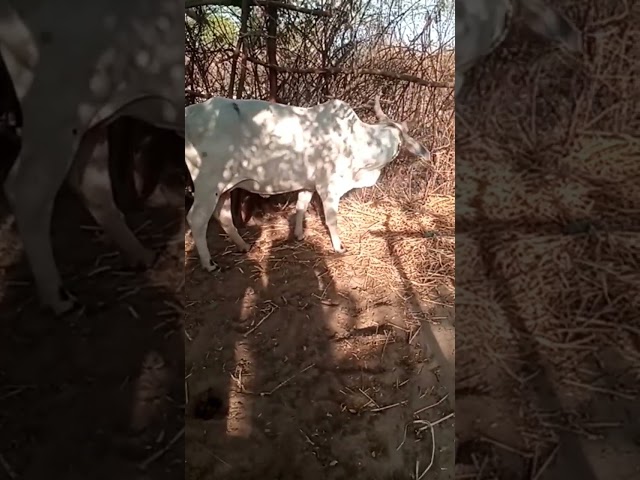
<point x="204" y="203"/>
<point x="31" y="188"/>
<point x="304" y="197"/>
<point x="224" y="215"/>
<point x="330" y="203"/>
<point x="94" y="184"/>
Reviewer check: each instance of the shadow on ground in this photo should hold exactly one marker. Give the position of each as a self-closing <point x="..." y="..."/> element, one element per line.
<point x="545" y="390"/>
<point x="312" y="378"/>
<point x="95" y="395"/>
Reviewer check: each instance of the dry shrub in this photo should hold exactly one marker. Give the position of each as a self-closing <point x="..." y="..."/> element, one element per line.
<point x="356" y="38"/>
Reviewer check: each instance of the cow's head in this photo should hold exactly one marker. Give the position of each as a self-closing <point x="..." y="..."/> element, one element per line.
<point x="411" y="144"/>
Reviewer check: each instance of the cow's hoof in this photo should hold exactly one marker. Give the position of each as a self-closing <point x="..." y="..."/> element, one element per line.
<point x="66" y="305"/>
<point x="340" y="250"/>
<point x="299" y="236"/>
<point x="67" y="310"/>
<point x="213" y="267"/>
<point x="244" y="248"/>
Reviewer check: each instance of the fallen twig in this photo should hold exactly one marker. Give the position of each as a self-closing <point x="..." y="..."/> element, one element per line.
<point x="273" y="309"/>
<point x="7" y="468"/>
<point x="420" y="476"/>
<point x="281" y="384"/>
<point x="143" y="465"/>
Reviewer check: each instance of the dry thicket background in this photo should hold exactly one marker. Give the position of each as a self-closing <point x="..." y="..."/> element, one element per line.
<point x="363" y="48"/>
<point x="548" y="254"/>
<point x="400" y="233"/>
<point x="352" y="51"/>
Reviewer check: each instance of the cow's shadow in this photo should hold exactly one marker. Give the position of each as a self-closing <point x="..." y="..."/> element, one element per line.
<point x="92" y="394"/>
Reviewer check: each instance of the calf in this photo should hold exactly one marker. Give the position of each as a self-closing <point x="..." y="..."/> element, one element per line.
<point x="133" y="156"/>
<point x="269" y="148"/>
<point x="145" y="164"/>
<point x="244" y="204"/>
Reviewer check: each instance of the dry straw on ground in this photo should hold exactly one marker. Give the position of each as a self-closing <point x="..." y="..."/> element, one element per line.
<point x="390" y="248"/>
<point x="548" y="254"/>
<point x="396" y="249"/>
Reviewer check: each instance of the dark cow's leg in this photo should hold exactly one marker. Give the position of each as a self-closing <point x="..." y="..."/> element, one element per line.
<point x="237" y="214"/>
<point x="122" y="136"/>
<point x="223" y="214"/>
<point x="161" y="165"/>
<point x="151" y="160"/>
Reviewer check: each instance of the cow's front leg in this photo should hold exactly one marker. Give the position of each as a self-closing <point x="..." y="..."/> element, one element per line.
<point x="330" y="203"/>
<point x="31" y="188"/>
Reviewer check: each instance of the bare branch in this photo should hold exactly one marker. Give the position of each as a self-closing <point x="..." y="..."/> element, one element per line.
<point x="356" y="71"/>
<point x="241" y="45"/>
<point x="317" y="12"/>
<point x="272" y="33"/>
<point x="192" y="93"/>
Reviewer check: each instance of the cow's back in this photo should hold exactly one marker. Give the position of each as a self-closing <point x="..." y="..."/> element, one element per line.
<point x="95" y="57"/>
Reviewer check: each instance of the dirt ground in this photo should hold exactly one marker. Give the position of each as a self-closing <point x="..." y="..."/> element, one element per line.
<point x="92" y="395"/>
<point x="294" y="371"/>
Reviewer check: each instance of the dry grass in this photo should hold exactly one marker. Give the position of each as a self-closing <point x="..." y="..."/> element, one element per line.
<point x="397" y="247"/>
<point x="563" y="282"/>
<point x="548" y="256"/>
<point x="393" y="246"/>
<point x="389" y="245"/>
